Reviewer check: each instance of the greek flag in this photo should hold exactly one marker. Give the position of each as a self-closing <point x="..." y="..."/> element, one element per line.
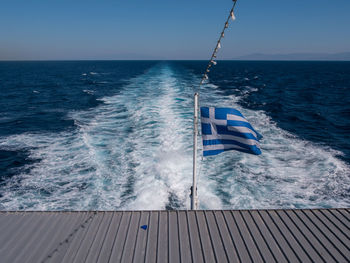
<point x="225" y="129"/>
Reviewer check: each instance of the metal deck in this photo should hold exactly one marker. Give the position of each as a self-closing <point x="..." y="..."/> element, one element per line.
<point x="317" y="235"/>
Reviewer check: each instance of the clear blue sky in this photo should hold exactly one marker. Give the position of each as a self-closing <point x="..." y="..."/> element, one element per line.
<point x="169" y="29"/>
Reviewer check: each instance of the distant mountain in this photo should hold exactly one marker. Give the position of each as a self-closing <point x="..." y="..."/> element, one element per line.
<point x="345" y="56"/>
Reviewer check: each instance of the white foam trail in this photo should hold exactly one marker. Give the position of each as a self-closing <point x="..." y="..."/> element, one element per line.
<point x="135" y="152"/>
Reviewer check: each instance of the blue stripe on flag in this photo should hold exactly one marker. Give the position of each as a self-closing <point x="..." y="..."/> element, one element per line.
<point x="215" y="152"/>
<point x="240" y="123"/>
<point x="223" y="130"/>
<point x="251" y="148"/>
<point x="221" y="113"/>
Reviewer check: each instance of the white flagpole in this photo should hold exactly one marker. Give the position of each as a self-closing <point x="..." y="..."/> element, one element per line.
<point x="194" y="198"/>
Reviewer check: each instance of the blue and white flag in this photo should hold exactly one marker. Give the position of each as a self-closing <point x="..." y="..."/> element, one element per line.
<point x="225" y="129"/>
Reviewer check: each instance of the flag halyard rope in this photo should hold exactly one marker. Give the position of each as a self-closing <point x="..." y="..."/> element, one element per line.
<point x="218" y="44"/>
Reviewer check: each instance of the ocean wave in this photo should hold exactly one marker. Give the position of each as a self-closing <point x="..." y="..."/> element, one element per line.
<point x="134" y="151"/>
<point x="90" y="92"/>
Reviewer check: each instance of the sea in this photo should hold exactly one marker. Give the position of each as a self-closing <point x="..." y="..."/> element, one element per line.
<point x="117" y="135"/>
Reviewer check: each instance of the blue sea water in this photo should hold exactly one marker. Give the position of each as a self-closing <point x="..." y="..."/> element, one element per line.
<point x="112" y="135"/>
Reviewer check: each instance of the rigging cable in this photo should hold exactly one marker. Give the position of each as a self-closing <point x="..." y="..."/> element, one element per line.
<point x="218" y="44"/>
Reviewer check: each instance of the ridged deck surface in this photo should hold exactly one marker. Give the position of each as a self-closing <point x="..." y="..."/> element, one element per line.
<point x="318" y="235"/>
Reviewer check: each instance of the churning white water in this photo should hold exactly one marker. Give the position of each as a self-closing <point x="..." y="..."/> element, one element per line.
<point x="134" y="151"/>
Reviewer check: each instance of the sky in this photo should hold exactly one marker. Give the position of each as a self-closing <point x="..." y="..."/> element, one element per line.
<point x="169" y="29"/>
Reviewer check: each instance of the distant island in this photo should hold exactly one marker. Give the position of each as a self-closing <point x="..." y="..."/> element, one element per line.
<point x="345" y="56"/>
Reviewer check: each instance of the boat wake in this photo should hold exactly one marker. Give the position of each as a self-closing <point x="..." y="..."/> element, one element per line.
<point x="134" y="151"/>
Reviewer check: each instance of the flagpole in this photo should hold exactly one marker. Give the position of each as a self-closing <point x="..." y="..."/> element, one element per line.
<point x="194" y="198"/>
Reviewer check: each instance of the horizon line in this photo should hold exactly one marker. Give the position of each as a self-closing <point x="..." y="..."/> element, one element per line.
<point x="68" y="60"/>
